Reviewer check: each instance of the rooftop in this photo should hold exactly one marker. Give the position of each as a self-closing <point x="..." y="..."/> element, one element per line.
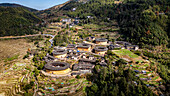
<point x="123" y="42"/>
<point x="131" y="45"/>
<point x="57" y="66"/>
<point x="101" y="48"/>
<point x="71" y="46"/>
<point x="101" y="40"/>
<point x="59" y="52"/>
<point x="84" y="45"/>
<point x="87" y="60"/>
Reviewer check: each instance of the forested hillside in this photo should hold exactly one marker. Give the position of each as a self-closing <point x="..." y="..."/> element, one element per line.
<point x="99" y="10"/>
<point x="142" y="22"/>
<point x="145" y="22"/>
<point x="111" y="82"/>
<point x="17" y="21"/>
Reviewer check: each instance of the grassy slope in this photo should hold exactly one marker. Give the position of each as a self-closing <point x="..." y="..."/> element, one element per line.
<point x="125" y="52"/>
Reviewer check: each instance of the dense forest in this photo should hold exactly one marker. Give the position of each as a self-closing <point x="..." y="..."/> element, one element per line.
<point x="17" y="21"/>
<point x="99" y="10"/>
<point x="145" y="22"/>
<point x="110" y="82"/>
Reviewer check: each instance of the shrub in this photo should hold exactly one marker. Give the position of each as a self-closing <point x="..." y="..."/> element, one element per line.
<point x="78" y="76"/>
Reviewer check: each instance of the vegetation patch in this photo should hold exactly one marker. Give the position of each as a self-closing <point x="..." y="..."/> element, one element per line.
<point x="12" y="58"/>
<point x="125" y="52"/>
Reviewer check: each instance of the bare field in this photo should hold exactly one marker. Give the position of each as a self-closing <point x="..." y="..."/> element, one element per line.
<point x="9" y="48"/>
<point x="13" y="47"/>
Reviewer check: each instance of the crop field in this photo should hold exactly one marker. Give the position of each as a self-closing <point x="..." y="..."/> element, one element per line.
<point x="125" y="52"/>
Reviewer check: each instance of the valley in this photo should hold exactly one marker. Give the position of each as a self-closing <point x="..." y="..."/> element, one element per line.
<point x="76" y="49"/>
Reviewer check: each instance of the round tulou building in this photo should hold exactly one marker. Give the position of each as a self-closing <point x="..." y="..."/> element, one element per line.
<point x="57" y="68"/>
<point x="101" y="41"/>
<point x="101" y="50"/>
<point x="84" y="47"/>
<point x="61" y="53"/>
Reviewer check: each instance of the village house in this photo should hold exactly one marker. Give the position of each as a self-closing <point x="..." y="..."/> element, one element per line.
<point x="49" y="58"/>
<point x="84" y="66"/>
<point x="89" y="17"/>
<point x="101" y="41"/>
<point x="114" y="47"/>
<point x="122" y="43"/>
<point x="127" y="45"/>
<point x="84" y="47"/>
<point x="75" y="57"/>
<point x="131" y="47"/>
<point x="71" y="46"/>
<point x="90" y="38"/>
<point x="101" y="50"/>
<point x="66" y="20"/>
<point x="87" y="61"/>
<point x="60" y="53"/>
<point x="59" y="48"/>
<point x="75" y="73"/>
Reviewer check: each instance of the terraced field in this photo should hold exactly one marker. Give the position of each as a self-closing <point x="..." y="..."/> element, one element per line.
<point x="9" y="84"/>
<point x="125" y="53"/>
<point x="12" y="65"/>
<point x="139" y="64"/>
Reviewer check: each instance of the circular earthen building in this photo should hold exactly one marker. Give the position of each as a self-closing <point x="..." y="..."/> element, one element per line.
<point x="57" y="68"/>
<point x="59" y="53"/>
<point x="101" y="50"/>
<point x="101" y="41"/>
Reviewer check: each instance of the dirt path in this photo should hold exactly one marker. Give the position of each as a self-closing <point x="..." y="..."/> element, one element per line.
<point x="13" y="37"/>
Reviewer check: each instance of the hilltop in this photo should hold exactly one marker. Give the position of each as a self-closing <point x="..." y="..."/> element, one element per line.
<point x="16" y="5"/>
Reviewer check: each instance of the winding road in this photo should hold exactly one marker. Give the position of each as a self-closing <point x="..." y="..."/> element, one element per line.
<point x="52" y="37"/>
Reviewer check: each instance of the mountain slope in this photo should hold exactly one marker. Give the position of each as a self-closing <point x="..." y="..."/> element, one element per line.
<point x="145" y="22"/>
<point x="16" y="5"/>
<point x="142" y="22"/>
<point x="16" y="21"/>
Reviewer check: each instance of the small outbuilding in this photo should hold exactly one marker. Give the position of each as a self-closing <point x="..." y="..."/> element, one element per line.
<point x="132" y="47"/>
<point x="114" y="47"/>
<point x="123" y="43"/>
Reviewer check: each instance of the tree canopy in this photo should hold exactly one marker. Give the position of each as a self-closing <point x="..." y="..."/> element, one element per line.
<point x="17" y="21"/>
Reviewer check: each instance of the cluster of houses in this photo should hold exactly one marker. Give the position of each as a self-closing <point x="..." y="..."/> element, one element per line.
<point x="123" y="45"/>
<point x="84" y="54"/>
<point x="67" y="21"/>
